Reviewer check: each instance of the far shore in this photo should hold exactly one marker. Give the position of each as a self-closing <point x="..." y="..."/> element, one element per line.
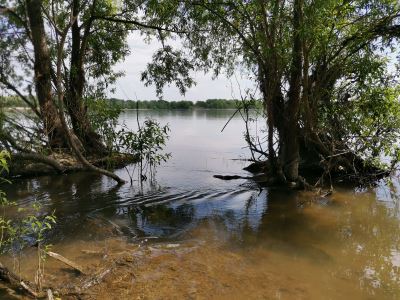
<point x="194" y="108"/>
<point x="17" y="108"/>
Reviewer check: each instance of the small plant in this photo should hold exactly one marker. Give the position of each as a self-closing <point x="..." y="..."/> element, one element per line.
<point x="15" y="233"/>
<point x="146" y="144"/>
<point x="37" y="226"/>
<point x="5" y="224"/>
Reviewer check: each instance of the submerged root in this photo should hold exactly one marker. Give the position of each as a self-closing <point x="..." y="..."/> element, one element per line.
<point x="318" y="172"/>
<point x="264" y="180"/>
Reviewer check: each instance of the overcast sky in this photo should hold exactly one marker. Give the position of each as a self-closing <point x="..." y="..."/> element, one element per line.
<point x="136" y="62"/>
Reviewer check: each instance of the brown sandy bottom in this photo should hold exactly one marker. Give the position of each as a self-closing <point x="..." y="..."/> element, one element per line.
<point x="190" y="270"/>
<point x="323" y="252"/>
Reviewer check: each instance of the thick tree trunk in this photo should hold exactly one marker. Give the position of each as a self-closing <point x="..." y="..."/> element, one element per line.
<point x="274" y="107"/>
<point x="290" y="140"/>
<point x="74" y="100"/>
<point x="42" y="69"/>
<point x="269" y="111"/>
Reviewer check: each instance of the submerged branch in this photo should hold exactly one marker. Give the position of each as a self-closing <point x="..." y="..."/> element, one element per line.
<point x="66" y="261"/>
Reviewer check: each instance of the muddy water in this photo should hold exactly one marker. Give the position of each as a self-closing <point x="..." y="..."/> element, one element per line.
<point x="193" y="236"/>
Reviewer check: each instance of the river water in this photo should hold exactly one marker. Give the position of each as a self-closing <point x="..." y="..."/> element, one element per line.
<point x="215" y="239"/>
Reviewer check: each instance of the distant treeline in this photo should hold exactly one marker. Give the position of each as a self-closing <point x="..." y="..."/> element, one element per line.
<point x="162" y="104"/>
<point x="15" y="101"/>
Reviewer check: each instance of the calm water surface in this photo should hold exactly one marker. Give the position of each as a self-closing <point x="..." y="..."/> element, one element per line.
<point x="254" y="243"/>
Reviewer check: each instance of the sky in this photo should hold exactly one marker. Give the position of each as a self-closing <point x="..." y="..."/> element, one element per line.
<point x="130" y="86"/>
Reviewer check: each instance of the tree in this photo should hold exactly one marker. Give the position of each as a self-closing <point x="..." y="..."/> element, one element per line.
<point x="95" y="46"/>
<point x="34" y="26"/>
<point x="75" y="46"/>
<point x="308" y="59"/>
<point x="95" y="42"/>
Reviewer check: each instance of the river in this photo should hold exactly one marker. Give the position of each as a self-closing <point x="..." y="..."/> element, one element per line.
<point x="205" y="238"/>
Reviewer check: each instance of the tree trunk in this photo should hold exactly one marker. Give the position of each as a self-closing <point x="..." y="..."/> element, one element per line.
<point x="290" y="140"/>
<point x="74" y="100"/>
<point x="42" y="69"/>
<point x="273" y="106"/>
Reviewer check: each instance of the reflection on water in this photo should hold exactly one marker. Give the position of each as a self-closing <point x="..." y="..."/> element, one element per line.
<point x="280" y="244"/>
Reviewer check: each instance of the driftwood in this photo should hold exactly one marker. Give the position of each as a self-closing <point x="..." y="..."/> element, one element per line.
<point x="66" y="261"/>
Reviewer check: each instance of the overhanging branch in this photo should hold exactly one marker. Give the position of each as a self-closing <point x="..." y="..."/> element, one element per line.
<point x="140" y="24"/>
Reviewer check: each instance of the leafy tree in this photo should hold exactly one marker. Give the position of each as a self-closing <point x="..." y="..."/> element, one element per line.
<point x="72" y="47"/>
<point x="308" y="58"/>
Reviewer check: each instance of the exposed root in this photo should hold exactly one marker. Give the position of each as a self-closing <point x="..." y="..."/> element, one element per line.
<point x="326" y="172"/>
<point x="33" y="164"/>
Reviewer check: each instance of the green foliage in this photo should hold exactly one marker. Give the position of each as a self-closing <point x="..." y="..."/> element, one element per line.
<point x="103" y="117"/>
<point x="346" y="96"/>
<point x="169" y="66"/>
<point x="371" y="122"/>
<point x="4" y="156"/>
<point x="35" y="225"/>
<point x="162" y="104"/>
<point x="146" y="145"/>
<point x="38" y="225"/>
<point x="15" y="233"/>
<point x="147" y="142"/>
<point x="217" y="104"/>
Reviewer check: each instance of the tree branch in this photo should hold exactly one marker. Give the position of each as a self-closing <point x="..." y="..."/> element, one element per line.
<point x="137" y="23"/>
<point x="23" y="98"/>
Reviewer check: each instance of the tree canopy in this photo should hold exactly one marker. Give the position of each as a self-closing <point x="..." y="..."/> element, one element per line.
<point x="325" y="69"/>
